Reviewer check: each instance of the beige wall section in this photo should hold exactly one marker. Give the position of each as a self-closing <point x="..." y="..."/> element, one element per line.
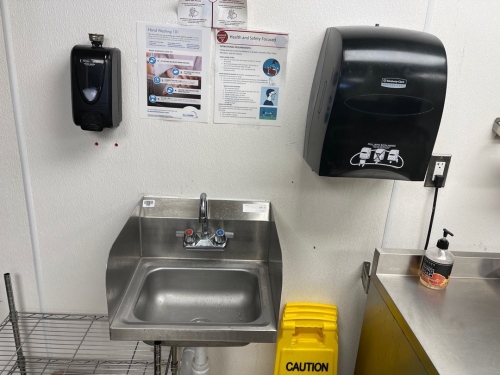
<point x="15" y="244"/>
<point x="83" y="194"/>
<point x="468" y="205"/>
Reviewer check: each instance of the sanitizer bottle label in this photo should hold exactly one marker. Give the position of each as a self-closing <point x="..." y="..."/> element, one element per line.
<point x="435" y="273"/>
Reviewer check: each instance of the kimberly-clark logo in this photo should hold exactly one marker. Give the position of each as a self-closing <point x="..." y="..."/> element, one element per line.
<point x="191" y="114"/>
<point x="394" y="83"/>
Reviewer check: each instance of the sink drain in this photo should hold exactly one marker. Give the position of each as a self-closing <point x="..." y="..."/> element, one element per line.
<point x="200" y="320"/>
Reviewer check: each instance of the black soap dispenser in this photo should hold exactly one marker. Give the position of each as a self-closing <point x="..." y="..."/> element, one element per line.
<point x="96" y="85"/>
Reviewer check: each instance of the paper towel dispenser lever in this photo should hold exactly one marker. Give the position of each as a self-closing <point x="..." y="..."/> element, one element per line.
<point x="96" y="85"/>
<point x="376" y="103"/>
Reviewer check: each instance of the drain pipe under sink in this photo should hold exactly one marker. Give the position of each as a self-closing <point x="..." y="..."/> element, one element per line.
<point x="194" y="361"/>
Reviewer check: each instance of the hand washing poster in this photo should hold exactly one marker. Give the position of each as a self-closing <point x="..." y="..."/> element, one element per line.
<point x="250" y="69"/>
<point x="173" y="66"/>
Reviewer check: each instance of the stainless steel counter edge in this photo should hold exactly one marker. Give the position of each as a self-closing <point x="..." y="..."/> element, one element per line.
<point x="407" y="262"/>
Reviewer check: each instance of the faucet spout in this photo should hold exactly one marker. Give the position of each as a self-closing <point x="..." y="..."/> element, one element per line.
<point x="203" y="218"/>
<point x="204" y="240"/>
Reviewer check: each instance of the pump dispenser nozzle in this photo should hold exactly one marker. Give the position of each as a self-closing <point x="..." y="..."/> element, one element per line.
<point x="443" y="242"/>
<point x="447" y="232"/>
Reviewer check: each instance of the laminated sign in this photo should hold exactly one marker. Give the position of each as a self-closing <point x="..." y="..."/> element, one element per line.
<point x="213" y="13"/>
<point x="173" y="66"/>
<point x="250" y="76"/>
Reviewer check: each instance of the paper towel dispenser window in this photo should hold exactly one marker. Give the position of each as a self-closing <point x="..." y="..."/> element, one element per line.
<point x="389" y="105"/>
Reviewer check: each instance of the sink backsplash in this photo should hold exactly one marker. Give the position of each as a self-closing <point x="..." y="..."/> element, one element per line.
<point x="159" y="225"/>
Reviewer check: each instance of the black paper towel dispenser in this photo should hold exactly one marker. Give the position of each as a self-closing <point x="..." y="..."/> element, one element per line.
<point x="376" y="103"/>
<point x="96" y="85"/>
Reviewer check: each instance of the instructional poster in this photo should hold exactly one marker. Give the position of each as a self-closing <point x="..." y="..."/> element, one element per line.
<point x="173" y="67"/>
<point x="250" y="72"/>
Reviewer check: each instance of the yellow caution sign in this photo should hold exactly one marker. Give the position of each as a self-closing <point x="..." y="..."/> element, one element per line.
<point x="308" y="340"/>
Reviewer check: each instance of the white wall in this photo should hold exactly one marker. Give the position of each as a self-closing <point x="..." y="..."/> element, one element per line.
<point x="468" y="205"/>
<point x="83" y="194"/>
<point x="15" y="245"/>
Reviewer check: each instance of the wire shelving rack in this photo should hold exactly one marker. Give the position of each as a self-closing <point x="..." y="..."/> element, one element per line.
<point x="69" y="344"/>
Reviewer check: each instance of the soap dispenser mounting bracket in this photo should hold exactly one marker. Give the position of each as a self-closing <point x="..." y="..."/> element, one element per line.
<point x="96" y="40"/>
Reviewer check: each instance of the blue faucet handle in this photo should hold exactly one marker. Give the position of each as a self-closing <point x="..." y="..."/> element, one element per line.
<point x="220" y="236"/>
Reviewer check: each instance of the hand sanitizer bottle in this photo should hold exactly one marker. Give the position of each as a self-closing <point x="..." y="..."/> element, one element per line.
<point x="437" y="264"/>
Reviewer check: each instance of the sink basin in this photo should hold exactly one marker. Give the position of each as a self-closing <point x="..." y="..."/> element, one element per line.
<point x="157" y="290"/>
<point x="197" y="303"/>
<point x="170" y="295"/>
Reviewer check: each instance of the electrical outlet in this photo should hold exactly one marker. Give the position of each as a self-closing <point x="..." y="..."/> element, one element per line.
<point x="438" y="169"/>
<point x="438" y="166"/>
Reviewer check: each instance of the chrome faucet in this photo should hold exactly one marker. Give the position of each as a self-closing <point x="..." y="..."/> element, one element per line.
<point x="203" y="216"/>
<point x="204" y="240"/>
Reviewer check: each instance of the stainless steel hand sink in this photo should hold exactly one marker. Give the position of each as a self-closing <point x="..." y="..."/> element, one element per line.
<point x="159" y="291"/>
<point x="198" y="295"/>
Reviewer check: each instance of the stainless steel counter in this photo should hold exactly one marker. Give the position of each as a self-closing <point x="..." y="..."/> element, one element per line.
<point x="411" y="329"/>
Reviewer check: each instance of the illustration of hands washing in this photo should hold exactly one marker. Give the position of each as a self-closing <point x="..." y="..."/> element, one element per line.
<point x="193" y="12"/>
<point x="365" y="157"/>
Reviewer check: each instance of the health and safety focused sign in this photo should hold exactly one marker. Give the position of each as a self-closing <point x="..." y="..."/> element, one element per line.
<point x="250" y="70"/>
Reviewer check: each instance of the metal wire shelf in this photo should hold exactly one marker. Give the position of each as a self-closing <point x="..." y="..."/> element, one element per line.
<point x="69" y="344"/>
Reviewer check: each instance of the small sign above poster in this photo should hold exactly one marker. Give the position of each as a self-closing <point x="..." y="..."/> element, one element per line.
<point x="231" y="14"/>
